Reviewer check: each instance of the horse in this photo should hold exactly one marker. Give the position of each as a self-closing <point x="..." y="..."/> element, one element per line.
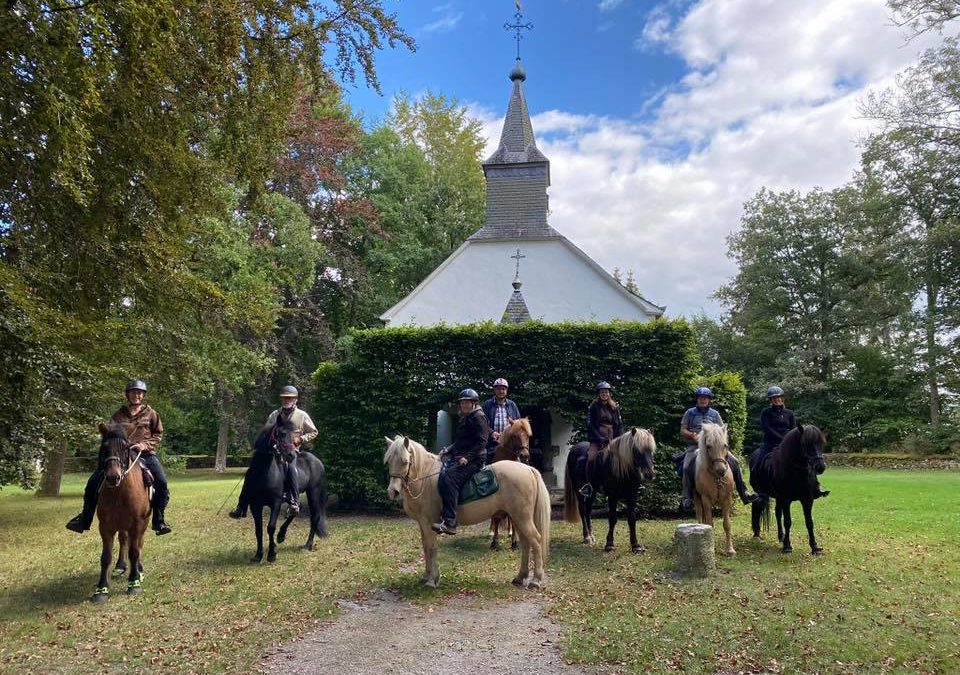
<point x="522" y="495"/>
<point x="788" y="473"/>
<point x="713" y="479"/>
<point x="263" y="484"/>
<point x="515" y="446"/>
<point x="123" y="508"/>
<point x="621" y="467"/>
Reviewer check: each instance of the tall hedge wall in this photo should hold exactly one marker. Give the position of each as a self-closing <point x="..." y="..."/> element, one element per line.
<point x="389" y="381"/>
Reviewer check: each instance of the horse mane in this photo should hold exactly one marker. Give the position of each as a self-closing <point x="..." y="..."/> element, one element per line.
<point x="513" y="429"/>
<point x="620" y="450"/>
<point x="417" y="452"/>
<point x="714" y="435"/>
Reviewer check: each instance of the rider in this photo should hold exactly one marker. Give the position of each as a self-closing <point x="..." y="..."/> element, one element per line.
<point x="500" y="412"/>
<point x="775" y="421"/>
<point x="144" y="439"/>
<point x="466" y="457"/>
<point x="304" y="432"/>
<point x="603" y="425"/>
<point x="690" y="427"/>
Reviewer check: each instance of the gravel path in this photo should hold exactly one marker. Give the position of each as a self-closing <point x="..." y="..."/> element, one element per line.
<point x="386" y="634"/>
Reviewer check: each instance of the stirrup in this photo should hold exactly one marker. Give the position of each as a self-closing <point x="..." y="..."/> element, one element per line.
<point x="238" y="513"/>
<point x="586" y="491"/>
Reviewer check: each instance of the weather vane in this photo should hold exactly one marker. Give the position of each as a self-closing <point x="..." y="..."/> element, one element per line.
<point x="518" y="26"/>
<point x="517" y="257"/>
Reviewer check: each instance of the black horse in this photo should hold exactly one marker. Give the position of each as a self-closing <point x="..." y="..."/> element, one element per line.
<point x="263" y="487"/>
<point x="789" y="473"/>
<point x="621" y="467"/>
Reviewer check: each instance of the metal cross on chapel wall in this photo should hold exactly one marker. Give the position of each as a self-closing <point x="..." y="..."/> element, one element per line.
<point x="518" y="26"/>
<point x="517" y="257"/>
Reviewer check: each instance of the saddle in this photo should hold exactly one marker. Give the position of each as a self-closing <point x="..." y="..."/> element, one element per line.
<point x="482" y="484"/>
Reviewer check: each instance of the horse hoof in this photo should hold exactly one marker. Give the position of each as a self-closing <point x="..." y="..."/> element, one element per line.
<point x="119" y="571"/>
<point x="787" y="549"/>
<point x="99" y="598"/>
<point x="308" y="547"/>
<point x="637" y="549"/>
<point x="494" y="545"/>
<point x="514" y="545"/>
<point x="518" y="581"/>
<point x="608" y="548"/>
<point x="281" y="537"/>
<point x="817" y="551"/>
<point x="731" y="553"/>
<point x="756" y="535"/>
<point x="535" y="584"/>
<point x="272" y="557"/>
<point x="135" y="590"/>
<point x="256" y="560"/>
<point x="430" y="583"/>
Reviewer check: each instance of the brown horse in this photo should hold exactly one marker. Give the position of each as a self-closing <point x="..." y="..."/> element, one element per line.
<point x="514" y="446"/>
<point x="123" y="508"/>
<point x="522" y="495"/>
<point x="713" y="482"/>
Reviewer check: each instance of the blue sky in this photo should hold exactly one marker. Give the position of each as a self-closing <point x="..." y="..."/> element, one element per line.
<point x="662" y="117"/>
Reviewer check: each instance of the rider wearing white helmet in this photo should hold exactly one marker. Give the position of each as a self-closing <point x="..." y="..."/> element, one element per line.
<point x="500" y="412"/>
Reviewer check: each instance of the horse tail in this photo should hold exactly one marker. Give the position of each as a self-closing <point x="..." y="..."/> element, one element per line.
<point x="321" y="517"/>
<point x="571" y="508"/>
<point x="765" y="513"/>
<point x="541" y="514"/>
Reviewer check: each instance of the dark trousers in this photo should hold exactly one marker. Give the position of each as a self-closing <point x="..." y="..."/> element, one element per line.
<point x="161" y="492"/>
<point x="592" y="452"/>
<point x="452" y="478"/>
<point x="291" y="479"/>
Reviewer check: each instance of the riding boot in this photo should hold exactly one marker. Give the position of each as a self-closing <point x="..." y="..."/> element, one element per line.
<point x="159" y="505"/>
<point x="687" y="504"/>
<point x="292" y="493"/>
<point x="745" y="497"/>
<point x="82" y="521"/>
<point x="241" y="510"/>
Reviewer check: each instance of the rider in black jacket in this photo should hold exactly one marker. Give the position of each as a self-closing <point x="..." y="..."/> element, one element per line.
<point x="462" y="459"/>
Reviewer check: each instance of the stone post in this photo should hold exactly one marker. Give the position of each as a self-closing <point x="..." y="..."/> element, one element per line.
<point x="695" y="557"/>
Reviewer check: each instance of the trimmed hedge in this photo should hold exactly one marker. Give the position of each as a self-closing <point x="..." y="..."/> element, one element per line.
<point x="394" y="380"/>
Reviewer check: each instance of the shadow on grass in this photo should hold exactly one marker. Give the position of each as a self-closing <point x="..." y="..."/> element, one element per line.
<point x="54" y="593"/>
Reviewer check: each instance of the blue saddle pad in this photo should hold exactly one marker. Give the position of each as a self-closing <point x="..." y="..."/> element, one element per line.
<point x="482" y="484"/>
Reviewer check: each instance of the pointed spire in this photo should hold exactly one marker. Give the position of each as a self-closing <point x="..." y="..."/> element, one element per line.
<point x="516" y="311"/>
<point x="517" y="144"/>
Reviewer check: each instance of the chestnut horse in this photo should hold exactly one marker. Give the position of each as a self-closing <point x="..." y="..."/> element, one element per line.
<point x="522" y="495"/>
<point x="713" y="479"/>
<point x="123" y="508"/>
<point x="620" y="469"/>
<point x="514" y="446"/>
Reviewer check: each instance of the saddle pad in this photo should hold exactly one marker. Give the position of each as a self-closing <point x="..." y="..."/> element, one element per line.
<point x="482" y="484"/>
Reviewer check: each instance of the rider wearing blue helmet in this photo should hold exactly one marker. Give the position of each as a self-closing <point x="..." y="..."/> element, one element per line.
<point x="462" y="459"/>
<point x="690" y="427"/>
<point x="603" y="425"/>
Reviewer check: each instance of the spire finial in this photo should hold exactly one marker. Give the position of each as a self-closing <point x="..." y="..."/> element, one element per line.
<point x="518" y="26"/>
<point x="517" y="256"/>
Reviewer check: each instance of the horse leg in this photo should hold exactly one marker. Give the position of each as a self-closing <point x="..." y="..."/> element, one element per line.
<point x="756" y="509"/>
<point x="313" y="499"/>
<point x="530" y="545"/>
<point x="134" y="584"/>
<point x="726" y="526"/>
<point x="787" y="523"/>
<point x="257" y="513"/>
<point x="272" y="530"/>
<point x="808" y="519"/>
<point x="586" y="505"/>
<point x="106" y="557"/>
<point x="514" y="536"/>
<point x="121" y="567"/>
<point x="428" y="538"/>
<point x="282" y="534"/>
<point x="611" y="521"/>
<point x="778" y="509"/>
<point x="635" y="546"/>
<point x="494" y="534"/>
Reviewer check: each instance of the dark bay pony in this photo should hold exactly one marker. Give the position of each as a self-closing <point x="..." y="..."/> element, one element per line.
<point x="123" y="508"/>
<point x="621" y="467"/>
<point x="514" y="446"/>
<point x="263" y="485"/>
<point x="789" y="473"/>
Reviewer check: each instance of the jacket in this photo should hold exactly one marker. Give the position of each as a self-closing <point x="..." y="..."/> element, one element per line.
<point x="600" y="415"/>
<point x="775" y="422"/>
<point x="147" y="427"/>
<point x="489" y="409"/>
<point x="471" y="437"/>
<point x="301" y="422"/>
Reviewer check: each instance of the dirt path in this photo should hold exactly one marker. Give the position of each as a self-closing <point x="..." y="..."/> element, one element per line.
<point x="386" y="634"/>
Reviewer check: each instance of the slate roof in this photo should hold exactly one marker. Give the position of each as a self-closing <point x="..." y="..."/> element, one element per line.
<point x="516" y="311"/>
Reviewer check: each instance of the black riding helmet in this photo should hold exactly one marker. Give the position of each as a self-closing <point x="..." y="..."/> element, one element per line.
<point x="139" y="385"/>
<point x="468" y="395"/>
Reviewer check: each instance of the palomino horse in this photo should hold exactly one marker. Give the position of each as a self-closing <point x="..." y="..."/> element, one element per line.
<point x="713" y="479"/>
<point x="522" y="495"/>
<point x="621" y="467"/>
<point x="123" y="508"/>
<point x="789" y="473"/>
<point x="514" y="446"/>
<point x="263" y="486"/>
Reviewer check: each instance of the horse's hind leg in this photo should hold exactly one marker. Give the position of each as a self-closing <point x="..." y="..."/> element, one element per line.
<point x="530" y="547"/>
<point x="272" y="530"/>
<point x="106" y="557"/>
<point x="756" y="510"/>
<point x="257" y="512"/>
<point x="134" y="586"/>
<point x="778" y="510"/>
<point x="121" y="567"/>
<point x="808" y="518"/>
<point x="787" y="523"/>
<point x="611" y="521"/>
<point x="586" y="506"/>
<point x="635" y="546"/>
<point x="494" y="533"/>
<point x="317" y="517"/>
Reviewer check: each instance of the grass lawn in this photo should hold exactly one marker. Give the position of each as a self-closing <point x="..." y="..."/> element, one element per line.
<point x="884" y="598"/>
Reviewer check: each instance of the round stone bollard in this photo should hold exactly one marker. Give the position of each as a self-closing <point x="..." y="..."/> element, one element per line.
<point x="695" y="558"/>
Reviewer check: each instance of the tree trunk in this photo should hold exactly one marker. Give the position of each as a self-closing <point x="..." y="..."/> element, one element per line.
<point x="53" y="460"/>
<point x="223" y="438"/>
<point x="932" y="365"/>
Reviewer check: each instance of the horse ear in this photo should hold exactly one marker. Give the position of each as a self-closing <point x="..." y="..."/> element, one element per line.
<point x="633" y="431"/>
<point x="103" y="429"/>
<point x="388" y="440"/>
<point x="799" y="426"/>
<point x="406" y="441"/>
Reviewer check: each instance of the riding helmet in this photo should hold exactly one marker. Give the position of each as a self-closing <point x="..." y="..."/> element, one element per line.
<point x="703" y="391"/>
<point x="774" y="391"/>
<point x="289" y="390"/>
<point x="500" y="382"/>
<point x="136" y="384"/>
<point x="604" y="385"/>
<point x="468" y="395"/>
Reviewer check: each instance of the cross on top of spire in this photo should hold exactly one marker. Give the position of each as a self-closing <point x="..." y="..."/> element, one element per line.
<point x="517" y="257"/>
<point x="518" y="26"/>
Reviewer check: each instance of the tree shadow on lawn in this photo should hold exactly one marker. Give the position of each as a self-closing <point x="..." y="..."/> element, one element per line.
<point x="69" y="590"/>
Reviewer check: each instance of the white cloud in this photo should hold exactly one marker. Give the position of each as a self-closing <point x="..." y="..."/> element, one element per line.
<point x="448" y="20"/>
<point x="769" y="98"/>
<point x="607" y="5"/>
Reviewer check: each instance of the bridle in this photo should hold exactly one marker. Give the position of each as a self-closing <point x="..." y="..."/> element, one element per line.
<point x="405" y="480"/>
<point x="124" y="470"/>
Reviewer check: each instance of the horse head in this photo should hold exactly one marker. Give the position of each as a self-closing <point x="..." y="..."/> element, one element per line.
<point x="115" y="452"/>
<point x="286" y="437"/>
<point x="644" y="445"/>
<point x="398" y="459"/>
<point x="812" y="441"/>
<point x="714" y="446"/>
<point x="516" y="438"/>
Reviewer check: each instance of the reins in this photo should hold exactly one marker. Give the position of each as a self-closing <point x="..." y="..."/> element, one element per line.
<point x="129" y="467"/>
